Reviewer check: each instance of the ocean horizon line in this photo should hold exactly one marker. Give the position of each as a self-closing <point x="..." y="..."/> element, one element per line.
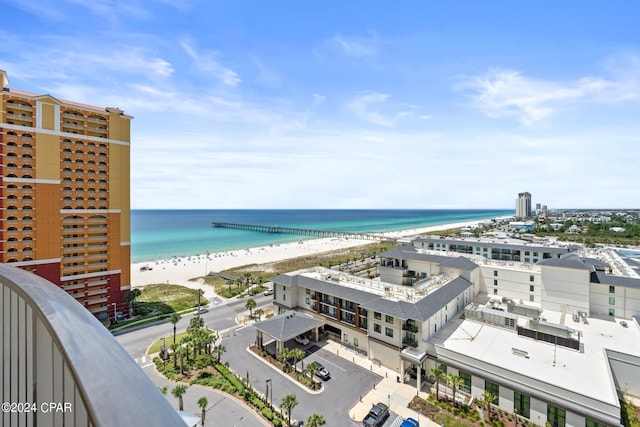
<point x="162" y="234"/>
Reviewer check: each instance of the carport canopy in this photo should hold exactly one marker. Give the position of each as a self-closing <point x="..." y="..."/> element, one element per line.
<point x="288" y="325"/>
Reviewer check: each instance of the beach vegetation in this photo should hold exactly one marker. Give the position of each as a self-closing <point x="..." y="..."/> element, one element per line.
<point x="158" y="299"/>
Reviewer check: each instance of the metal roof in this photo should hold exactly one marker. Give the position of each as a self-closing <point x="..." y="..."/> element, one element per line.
<point x="424" y="308"/>
<point x="460" y="263"/>
<point x="569" y="261"/>
<point x="287" y="325"/>
<point x="609" y="279"/>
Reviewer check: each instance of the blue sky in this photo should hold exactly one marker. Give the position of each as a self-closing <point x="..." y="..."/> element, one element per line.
<point x="356" y="104"/>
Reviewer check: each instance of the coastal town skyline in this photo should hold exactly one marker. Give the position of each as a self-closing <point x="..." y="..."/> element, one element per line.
<point x="248" y="105"/>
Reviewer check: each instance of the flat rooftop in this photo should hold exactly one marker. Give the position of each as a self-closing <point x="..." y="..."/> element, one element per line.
<point x="585" y="372"/>
<point x="389" y="291"/>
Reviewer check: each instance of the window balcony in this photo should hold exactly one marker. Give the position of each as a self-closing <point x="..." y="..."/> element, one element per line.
<point x="409" y="342"/>
<point x="410" y="326"/>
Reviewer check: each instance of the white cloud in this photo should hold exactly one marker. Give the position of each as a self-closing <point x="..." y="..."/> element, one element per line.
<point x="318" y="99"/>
<point x="354" y="46"/>
<point x="508" y="93"/>
<point x="206" y="62"/>
<point x="363" y="107"/>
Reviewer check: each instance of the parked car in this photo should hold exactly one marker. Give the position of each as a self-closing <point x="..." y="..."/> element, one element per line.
<point x="323" y="373"/>
<point x="410" y="422"/>
<point x="201" y="310"/>
<point x="302" y="340"/>
<point x="377" y="415"/>
<point x="269" y="291"/>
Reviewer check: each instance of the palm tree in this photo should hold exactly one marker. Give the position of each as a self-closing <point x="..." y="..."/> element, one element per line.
<point x="131" y="296"/>
<point x="218" y="350"/>
<point x="297" y="354"/>
<point x="229" y="284"/>
<point x="312" y="369"/>
<point x="289" y="402"/>
<point x="487" y="399"/>
<point x="437" y="374"/>
<point x="181" y="352"/>
<point x="174" y="318"/>
<point x="202" y="403"/>
<point x="283" y="356"/>
<point x="315" y="420"/>
<point x="250" y="305"/>
<point x="195" y="323"/>
<point x="174" y="349"/>
<point x="259" y="312"/>
<point x="456" y="382"/>
<point x="179" y="391"/>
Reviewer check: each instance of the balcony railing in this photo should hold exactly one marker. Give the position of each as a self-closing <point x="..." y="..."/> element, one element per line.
<point x="58" y="327"/>
<point x="409" y="342"/>
<point x="411" y="327"/>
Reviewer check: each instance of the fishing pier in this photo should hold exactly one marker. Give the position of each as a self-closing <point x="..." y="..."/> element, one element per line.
<point x="299" y="231"/>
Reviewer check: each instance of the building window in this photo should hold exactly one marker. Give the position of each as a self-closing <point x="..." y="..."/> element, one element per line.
<point x="284" y="297"/>
<point x="556" y="417"/>
<point x="612" y="300"/>
<point x="612" y="289"/>
<point x="590" y="423"/>
<point x="531" y="278"/>
<point x="531" y="288"/>
<point x="532" y="298"/>
<point x="535" y="254"/>
<point x="495" y="282"/>
<point x="494" y="389"/>
<point x="345" y="337"/>
<point x="388" y="319"/>
<point x="612" y="312"/>
<point x="307" y="301"/>
<point x="355" y="342"/>
<point x="442" y="367"/>
<point x="307" y="291"/>
<point x="495" y="273"/>
<point x="484" y="249"/>
<point x="521" y="404"/>
<point x="377" y="328"/>
<point x="495" y="291"/>
<point x="388" y="332"/>
<point x="377" y="315"/>
<point x="466" y="377"/>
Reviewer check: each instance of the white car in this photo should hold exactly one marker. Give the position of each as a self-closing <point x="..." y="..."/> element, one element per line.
<point x="302" y="340"/>
<point x="202" y="310"/>
<point x="268" y="292"/>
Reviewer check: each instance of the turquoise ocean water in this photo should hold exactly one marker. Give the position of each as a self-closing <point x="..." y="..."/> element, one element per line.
<point x="161" y="234"/>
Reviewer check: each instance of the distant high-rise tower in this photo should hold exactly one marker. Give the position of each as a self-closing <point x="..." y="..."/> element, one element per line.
<point x="64" y="194"/>
<point x="523" y="205"/>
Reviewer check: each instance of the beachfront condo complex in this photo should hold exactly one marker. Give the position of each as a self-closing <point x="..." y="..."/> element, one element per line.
<point x="549" y="329"/>
<point x="65" y="195"/>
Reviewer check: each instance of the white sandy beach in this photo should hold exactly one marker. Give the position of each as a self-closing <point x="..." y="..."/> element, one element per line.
<point x="180" y="270"/>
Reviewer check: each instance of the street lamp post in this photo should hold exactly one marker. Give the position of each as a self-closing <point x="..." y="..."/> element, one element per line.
<point x="270" y="383"/>
<point x="115" y="308"/>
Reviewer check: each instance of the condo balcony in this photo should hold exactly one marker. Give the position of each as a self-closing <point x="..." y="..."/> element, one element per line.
<point x="410" y="326"/>
<point x="406" y="341"/>
<point x="105" y="388"/>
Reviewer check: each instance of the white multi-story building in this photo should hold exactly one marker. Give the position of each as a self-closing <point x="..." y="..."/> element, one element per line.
<point x="523" y="205"/>
<point x="553" y="334"/>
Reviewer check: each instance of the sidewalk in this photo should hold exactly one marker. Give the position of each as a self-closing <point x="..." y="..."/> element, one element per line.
<point x="388" y="391"/>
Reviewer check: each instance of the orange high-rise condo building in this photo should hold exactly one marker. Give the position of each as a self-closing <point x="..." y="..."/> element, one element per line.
<point x="64" y="195"/>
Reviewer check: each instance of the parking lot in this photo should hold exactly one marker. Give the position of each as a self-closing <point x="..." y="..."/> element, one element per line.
<point x="348" y="382"/>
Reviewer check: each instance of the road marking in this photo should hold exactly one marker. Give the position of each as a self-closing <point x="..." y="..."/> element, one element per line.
<point x="146" y="366"/>
<point x="331" y="363"/>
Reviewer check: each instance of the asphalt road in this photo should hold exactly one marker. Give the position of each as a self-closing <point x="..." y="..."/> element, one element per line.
<point x="348" y="381"/>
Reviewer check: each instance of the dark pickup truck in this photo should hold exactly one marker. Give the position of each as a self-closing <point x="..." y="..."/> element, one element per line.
<point x="376" y="416"/>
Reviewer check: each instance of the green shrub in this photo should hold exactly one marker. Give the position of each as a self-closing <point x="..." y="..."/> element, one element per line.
<point x="277" y="422"/>
<point x="266" y="412"/>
